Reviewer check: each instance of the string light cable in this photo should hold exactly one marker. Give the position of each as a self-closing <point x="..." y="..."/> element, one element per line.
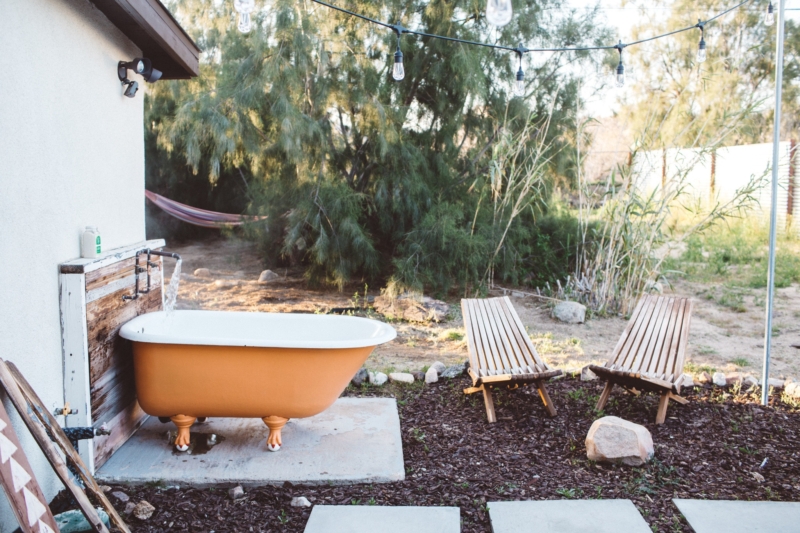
<point x="398" y="71"/>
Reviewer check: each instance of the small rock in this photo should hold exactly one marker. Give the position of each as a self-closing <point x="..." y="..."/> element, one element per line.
<point x="236" y="493"/>
<point x="143" y="510"/>
<point x="749" y="382"/>
<point x="570" y="312"/>
<point x="732" y="378"/>
<point x="74" y="521"/>
<point x="239" y="274"/>
<point x="758" y="477"/>
<point x="300" y="501"/>
<point x="439" y="366"/>
<point x="452" y="371"/>
<point x="612" y="439"/>
<point x="718" y="379"/>
<point x="419" y="376"/>
<point x="129" y="507"/>
<point x="792" y="389"/>
<point x="688" y="381"/>
<point x="401" y="377"/>
<point x="267" y="276"/>
<point x="361" y="376"/>
<point x="431" y="376"/>
<point x="587" y="374"/>
<point x="378" y="378"/>
<point x="105" y="488"/>
<point x="202" y="273"/>
<point x="226" y="283"/>
<point x="704" y="378"/>
<point x="121" y="496"/>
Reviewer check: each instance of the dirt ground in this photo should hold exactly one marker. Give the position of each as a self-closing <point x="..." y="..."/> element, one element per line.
<point x="724" y="336"/>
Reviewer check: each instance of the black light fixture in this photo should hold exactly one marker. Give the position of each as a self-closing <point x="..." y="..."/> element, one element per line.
<point x="141" y="66"/>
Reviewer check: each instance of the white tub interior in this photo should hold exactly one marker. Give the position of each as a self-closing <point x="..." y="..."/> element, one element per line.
<point x="268" y="330"/>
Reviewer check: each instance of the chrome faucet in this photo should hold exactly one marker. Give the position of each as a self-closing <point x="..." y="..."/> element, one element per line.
<point x="146" y="269"/>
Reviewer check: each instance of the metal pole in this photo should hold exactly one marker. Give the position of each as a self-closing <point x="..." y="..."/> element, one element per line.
<point x="773" y="221"/>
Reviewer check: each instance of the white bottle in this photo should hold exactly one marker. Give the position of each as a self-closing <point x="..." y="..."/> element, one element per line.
<point x="90" y="242"/>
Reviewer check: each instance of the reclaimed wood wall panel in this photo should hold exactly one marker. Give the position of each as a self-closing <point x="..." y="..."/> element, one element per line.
<point x="111" y="381"/>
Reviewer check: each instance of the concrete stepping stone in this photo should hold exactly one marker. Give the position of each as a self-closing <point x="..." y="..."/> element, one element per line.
<point x="372" y="519"/>
<point x="356" y="440"/>
<point x="724" y="516"/>
<point x="567" y="516"/>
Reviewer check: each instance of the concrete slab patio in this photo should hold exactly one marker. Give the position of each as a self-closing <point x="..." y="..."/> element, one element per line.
<point x="724" y="516"/>
<point x="372" y="519"/>
<point x="567" y="516"/>
<point x="357" y="440"/>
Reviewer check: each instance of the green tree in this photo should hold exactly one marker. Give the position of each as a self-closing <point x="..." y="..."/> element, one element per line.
<point x="688" y="102"/>
<point x="302" y="120"/>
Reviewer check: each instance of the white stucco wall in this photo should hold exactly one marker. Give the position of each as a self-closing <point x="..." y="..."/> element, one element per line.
<point x="71" y="155"/>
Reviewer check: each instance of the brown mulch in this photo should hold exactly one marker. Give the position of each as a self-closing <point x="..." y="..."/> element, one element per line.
<point x="707" y="449"/>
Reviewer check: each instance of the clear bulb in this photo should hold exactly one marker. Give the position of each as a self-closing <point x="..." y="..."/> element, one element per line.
<point x="499" y="12"/>
<point x="398" y="72"/>
<point x="519" y="86"/>
<point x="769" y="18"/>
<point x="702" y="55"/>
<point x="245" y="23"/>
<point x="620" y="76"/>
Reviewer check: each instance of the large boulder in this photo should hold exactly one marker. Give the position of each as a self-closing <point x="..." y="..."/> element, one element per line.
<point x="614" y="440"/>
<point x="412" y="308"/>
<point x="570" y="312"/>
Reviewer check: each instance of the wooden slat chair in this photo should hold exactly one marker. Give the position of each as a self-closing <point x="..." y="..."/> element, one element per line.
<point x="651" y="351"/>
<point x="500" y="352"/>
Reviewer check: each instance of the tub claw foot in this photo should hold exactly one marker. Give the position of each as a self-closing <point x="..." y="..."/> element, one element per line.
<point x="275" y="425"/>
<point x="183" y="423"/>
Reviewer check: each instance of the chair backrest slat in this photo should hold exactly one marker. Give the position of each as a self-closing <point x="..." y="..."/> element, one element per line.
<point x="637" y="333"/>
<point x="497" y="340"/>
<point x="654" y="342"/>
<point x="522" y="336"/>
<point x="474" y="331"/>
<point x="504" y="349"/>
<point x="492" y="355"/>
<point x="518" y="348"/>
<point x="645" y="350"/>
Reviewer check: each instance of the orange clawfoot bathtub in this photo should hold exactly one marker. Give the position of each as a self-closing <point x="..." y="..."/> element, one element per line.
<point x="194" y="364"/>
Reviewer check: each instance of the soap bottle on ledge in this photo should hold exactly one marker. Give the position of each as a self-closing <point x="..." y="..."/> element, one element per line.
<point x="90" y="242"/>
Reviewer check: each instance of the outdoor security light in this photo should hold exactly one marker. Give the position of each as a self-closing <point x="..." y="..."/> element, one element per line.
<point x="141" y="66"/>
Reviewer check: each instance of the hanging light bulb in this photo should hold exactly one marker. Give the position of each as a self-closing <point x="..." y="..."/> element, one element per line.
<point x="499" y="12"/>
<point x="244" y="8"/>
<point x="769" y="18"/>
<point x="620" y="67"/>
<point x="398" y="72"/>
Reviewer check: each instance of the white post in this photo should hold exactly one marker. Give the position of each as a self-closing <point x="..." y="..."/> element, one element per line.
<point x="773" y="221"/>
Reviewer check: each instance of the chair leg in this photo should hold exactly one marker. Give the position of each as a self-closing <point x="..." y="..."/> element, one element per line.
<point x="487" y="399"/>
<point x="604" y="395"/>
<point x="663" y="403"/>
<point x="548" y="403"/>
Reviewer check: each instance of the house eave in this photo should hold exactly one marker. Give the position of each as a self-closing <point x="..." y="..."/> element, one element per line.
<point x="155" y="31"/>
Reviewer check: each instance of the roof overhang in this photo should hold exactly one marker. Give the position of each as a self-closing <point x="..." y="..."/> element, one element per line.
<point x="152" y="28"/>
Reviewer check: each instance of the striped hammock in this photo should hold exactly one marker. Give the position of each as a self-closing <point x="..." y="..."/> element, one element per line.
<point x="199" y="217"/>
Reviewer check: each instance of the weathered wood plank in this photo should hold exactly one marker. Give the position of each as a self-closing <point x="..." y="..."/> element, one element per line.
<point x="84" y="265"/>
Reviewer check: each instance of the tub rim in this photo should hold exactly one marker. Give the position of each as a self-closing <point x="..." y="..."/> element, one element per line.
<point x="130" y="331"/>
